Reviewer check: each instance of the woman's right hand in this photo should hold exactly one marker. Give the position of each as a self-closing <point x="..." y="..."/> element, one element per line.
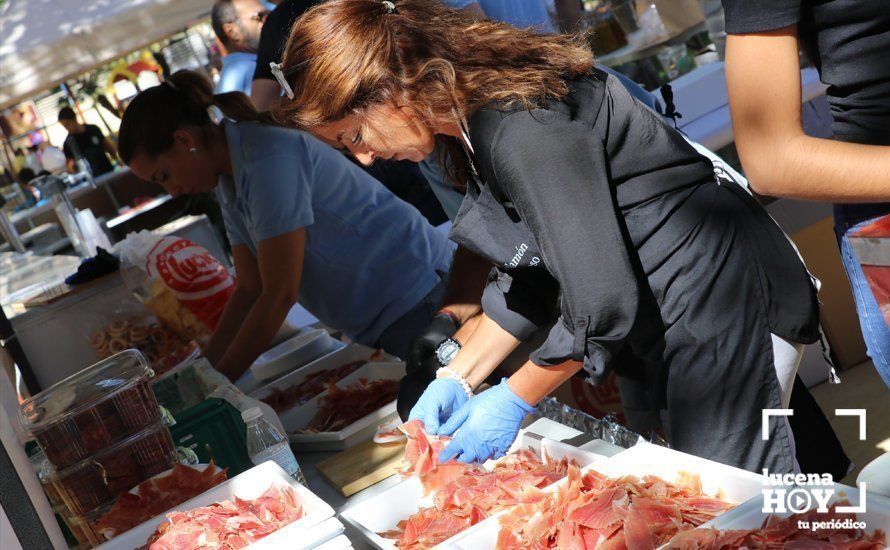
<point x="442" y="398"/>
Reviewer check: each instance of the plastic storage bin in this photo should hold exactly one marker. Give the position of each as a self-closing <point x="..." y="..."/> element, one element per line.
<point x="214" y="429"/>
<point x="91" y="410"/>
<point x="97" y="481"/>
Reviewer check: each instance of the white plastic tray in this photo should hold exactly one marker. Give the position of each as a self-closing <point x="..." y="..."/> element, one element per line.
<point x="363" y="429"/>
<point x="750" y="515"/>
<point x="249" y="384"/>
<point x="291" y="354"/>
<point x="249" y="485"/>
<point x="734" y="484"/>
<point x="340" y="542"/>
<point x="385" y="510"/>
<point x="337" y="358"/>
<point x="322" y="534"/>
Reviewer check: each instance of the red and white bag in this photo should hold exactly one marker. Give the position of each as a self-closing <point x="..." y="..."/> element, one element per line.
<point x="198" y="281"/>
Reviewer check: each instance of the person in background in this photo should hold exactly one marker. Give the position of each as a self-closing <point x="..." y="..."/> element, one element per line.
<point x="525" y="13"/>
<point x="265" y="89"/>
<point x="847" y="40"/>
<point x="86" y="141"/>
<point x="237" y="25"/>
<point x="303" y="222"/>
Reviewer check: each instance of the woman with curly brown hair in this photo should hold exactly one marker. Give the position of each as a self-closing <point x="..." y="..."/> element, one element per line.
<point x="595" y="212"/>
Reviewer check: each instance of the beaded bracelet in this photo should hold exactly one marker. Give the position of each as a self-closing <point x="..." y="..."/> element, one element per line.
<point x="448" y="372"/>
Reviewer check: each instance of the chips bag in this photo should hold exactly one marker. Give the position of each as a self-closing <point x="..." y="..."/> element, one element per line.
<point x="180" y="281"/>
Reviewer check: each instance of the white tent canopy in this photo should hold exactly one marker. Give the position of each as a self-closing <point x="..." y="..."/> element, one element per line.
<point x="43" y="42"/>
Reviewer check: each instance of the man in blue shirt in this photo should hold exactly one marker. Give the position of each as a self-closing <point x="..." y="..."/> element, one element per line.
<point x="526" y="13"/>
<point x="237" y="24"/>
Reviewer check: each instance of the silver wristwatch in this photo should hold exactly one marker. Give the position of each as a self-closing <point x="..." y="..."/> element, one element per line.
<point x="447" y="350"/>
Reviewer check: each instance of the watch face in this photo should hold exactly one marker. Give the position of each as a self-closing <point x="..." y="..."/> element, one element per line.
<point x="447" y="350"/>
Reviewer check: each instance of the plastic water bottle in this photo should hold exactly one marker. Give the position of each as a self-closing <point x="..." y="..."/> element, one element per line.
<point x="266" y="442"/>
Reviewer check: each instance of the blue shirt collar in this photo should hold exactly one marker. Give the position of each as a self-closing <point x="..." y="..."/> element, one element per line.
<point x="226" y="185"/>
<point x="235" y="57"/>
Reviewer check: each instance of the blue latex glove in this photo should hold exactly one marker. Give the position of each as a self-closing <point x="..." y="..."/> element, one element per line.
<point x="439" y="401"/>
<point x="486" y="425"/>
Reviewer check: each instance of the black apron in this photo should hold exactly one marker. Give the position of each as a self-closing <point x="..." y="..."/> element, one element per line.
<point x="708" y="357"/>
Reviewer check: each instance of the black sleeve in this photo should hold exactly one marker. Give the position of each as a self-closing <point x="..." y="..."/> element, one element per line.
<point x="750" y="16"/>
<point x="66" y="148"/>
<point x="275" y="33"/>
<point x="563" y="193"/>
<point x="521" y="301"/>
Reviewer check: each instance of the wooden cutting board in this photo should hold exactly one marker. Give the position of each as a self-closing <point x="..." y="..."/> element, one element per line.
<point x="362" y="466"/>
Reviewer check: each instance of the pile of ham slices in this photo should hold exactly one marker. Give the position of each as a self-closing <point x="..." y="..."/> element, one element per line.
<point x="343" y="406"/>
<point x="589" y="511"/>
<point x="465" y="494"/>
<point x="314" y="384"/>
<point x="228" y="524"/>
<point x="594" y="511"/>
<point x="157" y="495"/>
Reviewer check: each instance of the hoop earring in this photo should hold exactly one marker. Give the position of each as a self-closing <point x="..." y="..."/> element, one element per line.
<point x="193" y="150"/>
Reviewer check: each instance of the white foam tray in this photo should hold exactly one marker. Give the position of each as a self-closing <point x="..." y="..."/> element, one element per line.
<point x="330" y="361"/>
<point x="314" y="528"/>
<point x="363" y="429"/>
<point x="734" y="484"/>
<point x="293" y="353"/>
<point x="385" y="510"/>
<point x="340" y="542"/>
<point x="249" y="384"/>
<point x="319" y="536"/>
<point x="750" y="515"/>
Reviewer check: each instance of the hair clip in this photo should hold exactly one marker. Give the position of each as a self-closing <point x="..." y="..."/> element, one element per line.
<point x="279" y="76"/>
<point x="390" y="6"/>
<point x="216" y="115"/>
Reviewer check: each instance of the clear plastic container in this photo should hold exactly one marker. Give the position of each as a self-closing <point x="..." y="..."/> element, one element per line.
<point x="86" y="528"/>
<point x="47" y="477"/>
<point x="265" y="442"/>
<point x="92" y="409"/>
<point x="99" y="480"/>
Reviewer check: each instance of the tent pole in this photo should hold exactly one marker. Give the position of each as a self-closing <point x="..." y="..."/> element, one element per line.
<point x="8" y="153"/>
<point x="72" y="99"/>
<point x="65" y="86"/>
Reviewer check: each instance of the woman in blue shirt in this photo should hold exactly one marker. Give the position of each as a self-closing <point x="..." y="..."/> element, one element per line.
<point x="305" y="223"/>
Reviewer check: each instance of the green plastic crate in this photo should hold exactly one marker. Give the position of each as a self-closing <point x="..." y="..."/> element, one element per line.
<point x="214" y="429"/>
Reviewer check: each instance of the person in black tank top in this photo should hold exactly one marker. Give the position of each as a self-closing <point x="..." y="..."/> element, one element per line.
<point x="847" y="41"/>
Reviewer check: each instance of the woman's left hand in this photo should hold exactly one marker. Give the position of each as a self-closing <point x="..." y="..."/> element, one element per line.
<point x="486" y="425"/>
